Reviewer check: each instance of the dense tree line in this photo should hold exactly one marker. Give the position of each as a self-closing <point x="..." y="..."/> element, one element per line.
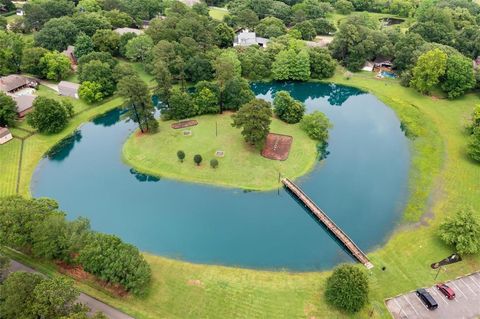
<point x="39" y="228"/>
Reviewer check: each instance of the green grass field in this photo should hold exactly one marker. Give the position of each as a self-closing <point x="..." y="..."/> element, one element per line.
<point x="218" y="13"/>
<point x="9" y="160"/>
<point x="443" y="179"/>
<point x="157" y="154"/>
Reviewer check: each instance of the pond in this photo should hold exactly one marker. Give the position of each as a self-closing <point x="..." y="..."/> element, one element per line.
<point x="362" y="185"/>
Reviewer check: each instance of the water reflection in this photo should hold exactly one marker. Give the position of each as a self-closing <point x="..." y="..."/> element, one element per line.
<point x="112" y="118"/>
<point x="143" y="177"/>
<point x="62" y="150"/>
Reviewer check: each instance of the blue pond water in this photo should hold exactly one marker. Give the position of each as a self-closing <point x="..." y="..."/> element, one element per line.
<point x="362" y="185"/>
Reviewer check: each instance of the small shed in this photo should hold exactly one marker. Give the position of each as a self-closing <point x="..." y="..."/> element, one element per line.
<point x="122" y="31"/>
<point x="70" y="89"/>
<point x="24" y="103"/>
<point x="5" y="135"/>
<point x="368" y="66"/>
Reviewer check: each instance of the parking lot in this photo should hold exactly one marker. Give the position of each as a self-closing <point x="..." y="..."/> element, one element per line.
<point x="465" y="305"/>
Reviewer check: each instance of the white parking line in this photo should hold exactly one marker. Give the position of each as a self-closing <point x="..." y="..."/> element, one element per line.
<point x="474" y="281"/>
<point x="435" y="292"/>
<point x="400" y="307"/>
<point x="405" y="297"/>
<point x="458" y="289"/>
<point x="473" y="292"/>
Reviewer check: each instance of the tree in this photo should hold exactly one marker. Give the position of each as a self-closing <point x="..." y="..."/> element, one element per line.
<point x="428" y="70"/>
<point x="344" y="7"/>
<point x="8" y="110"/>
<point x="55" y="66"/>
<point x="256" y="63"/>
<point x="55" y="298"/>
<point x="322" y="65"/>
<point x="118" y="263"/>
<point x="106" y="41"/>
<point x="91" y="92"/>
<point x="306" y="29"/>
<point x="31" y="61"/>
<point x="88" y="6"/>
<point x="206" y="101"/>
<point x="323" y="26"/>
<point x="124" y="39"/>
<point x="197" y="159"/>
<point x="254" y="118"/>
<point x="461" y="231"/>
<point x="4" y="266"/>
<point x="11" y="48"/>
<point x="180" y="105"/>
<point x="288" y="109"/>
<point x="57" y="34"/>
<point x="289" y="65"/>
<point x="50" y="237"/>
<point x="163" y="77"/>
<point x="138" y="103"/>
<point x="227" y="66"/>
<point x="181" y="156"/>
<point x="138" y="48"/>
<point x="199" y="68"/>
<point x="270" y="27"/>
<point x="459" y="76"/>
<point x="435" y="25"/>
<point x="405" y="50"/>
<point x="48" y="116"/>
<point x="83" y="45"/>
<point x="90" y="22"/>
<point x="474" y="145"/>
<point x="214" y="163"/>
<point x="3" y="23"/>
<point x="37" y="13"/>
<point x="236" y="93"/>
<point x="17" y="299"/>
<point x="98" y="72"/>
<point x="118" y="19"/>
<point x="347" y="288"/>
<point x="224" y="35"/>
<point x="316" y="125"/>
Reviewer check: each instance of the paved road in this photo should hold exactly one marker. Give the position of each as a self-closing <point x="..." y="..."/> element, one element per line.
<point x="465" y="305"/>
<point x="92" y="303"/>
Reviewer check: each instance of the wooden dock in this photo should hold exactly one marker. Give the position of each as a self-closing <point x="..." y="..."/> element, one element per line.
<point x="334" y="229"/>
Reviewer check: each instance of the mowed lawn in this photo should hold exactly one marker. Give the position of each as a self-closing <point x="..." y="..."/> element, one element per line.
<point x="9" y="159"/>
<point x="218" y="13"/>
<point x="242" y="166"/>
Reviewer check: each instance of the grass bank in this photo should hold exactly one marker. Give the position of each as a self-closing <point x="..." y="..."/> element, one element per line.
<point x="156" y="154"/>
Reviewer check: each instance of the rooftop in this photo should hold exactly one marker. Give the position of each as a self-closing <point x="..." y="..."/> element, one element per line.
<point x="4" y="132"/>
<point x="12" y="82"/>
<point x="123" y="31"/>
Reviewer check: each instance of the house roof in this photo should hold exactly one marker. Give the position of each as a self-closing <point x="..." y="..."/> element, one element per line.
<point x="68" y="88"/>
<point x="24" y="102"/>
<point x="122" y="31"/>
<point x="382" y="59"/>
<point x="12" y="82"/>
<point x="246" y="37"/>
<point x="4" y="132"/>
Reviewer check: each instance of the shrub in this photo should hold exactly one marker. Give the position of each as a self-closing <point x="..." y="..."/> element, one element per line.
<point x="197" y="159"/>
<point x="474" y="145"/>
<point x="288" y="109"/>
<point x="347" y="288"/>
<point x="181" y="155"/>
<point x="214" y="163"/>
<point x="461" y="231"/>
<point x="49" y="116"/>
<point x="344" y="7"/>
<point x="90" y="92"/>
<point x="316" y="125"/>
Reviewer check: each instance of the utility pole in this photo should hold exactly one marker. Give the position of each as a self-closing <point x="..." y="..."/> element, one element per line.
<point x="216" y="128"/>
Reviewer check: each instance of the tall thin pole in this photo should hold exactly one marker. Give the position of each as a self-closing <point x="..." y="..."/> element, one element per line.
<point x="216" y="129"/>
<point x="437" y="273"/>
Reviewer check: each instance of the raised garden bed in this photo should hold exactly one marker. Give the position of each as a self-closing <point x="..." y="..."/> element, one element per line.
<point x="183" y="124"/>
<point x="277" y="146"/>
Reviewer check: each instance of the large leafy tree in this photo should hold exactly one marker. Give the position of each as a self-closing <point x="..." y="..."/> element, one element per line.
<point x="31" y="60"/>
<point x="347" y="288"/>
<point x="138" y="48"/>
<point x="16" y="297"/>
<point x="55" y="298"/>
<point x="107" y="257"/>
<point x="207" y="101"/>
<point x="199" y="68"/>
<point x="8" y="110"/>
<point x="106" y="41"/>
<point x="55" y="66"/>
<point x="90" y="22"/>
<point x="224" y="35"/>
<point x="290" y="65"/>
<point x="37" y="13"/>
<point x="91" y="92"/>
<point x="236" y="93"/>
<point x="428" y="70"/>
<point x="83" y="45"/>
<point x="254" y="118"/>
<point x="270" y="27"/>
<point x="98" y="72"/>
<point x="405" y="50"/>
<point x="322" y="65"/>
<point x="287" y="108"/>
<point x="435" y="25"/>
<point x="462" y="231"/>
<point x="57" y="34"/>
<point x="49" y="116"/>
<point x="118" y="19"/>
<point x="180" y="105"/>
<point x="316" y="125"/>
<point x="11" y="47"/>
<point x="255" y="62"/>
<point x="459" y="76"/>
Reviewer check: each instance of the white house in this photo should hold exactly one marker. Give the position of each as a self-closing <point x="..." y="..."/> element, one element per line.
<point x="5" y="135"/>
<point x="122" y="31"/>
<point x="246" y="38"/>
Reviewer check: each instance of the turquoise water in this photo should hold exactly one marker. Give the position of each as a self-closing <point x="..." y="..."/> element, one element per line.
<point x="362" y="185"/>
<point x="387" y="74"/>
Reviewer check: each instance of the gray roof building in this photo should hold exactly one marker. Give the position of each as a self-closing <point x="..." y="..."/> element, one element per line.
<point x="122" y="31"/>
<point x="66" y="88"/>
<point x="247" y="38"/>
<point x="12" y="82"/>
<point x="24" y="103"/>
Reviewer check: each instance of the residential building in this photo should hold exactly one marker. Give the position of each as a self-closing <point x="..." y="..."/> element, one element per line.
<point x="245" y="38"/>
<point x="70" y="89"/>
<point x="5" y="135"/>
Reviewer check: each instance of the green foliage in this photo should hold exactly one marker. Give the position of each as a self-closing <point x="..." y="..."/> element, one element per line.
<point x="254" y="118"/>
<point x="288" y="109"/>
<point x="106" y="41"/>
<point x="8" y="110"/>
<point x="55" y="298"/>
<point x="31" y="61"/>
<point x="306" y="29"/>
<point x="347" y="288"/>
<point x="83" y="45"/>
<point x="323" y="26"/>
<point x="256" y="63"/>
<point x="459" y="76"/>
<point x="11" y="47"/>
<point x="180" y="105"/>
<point x="316" y="125"/>
<point x="227" y="66"/>
<point x="461" y="231"/>
<point x="90" y="92"/>
<point x="270" y="27"/>
<point x="88" y="6"/>
<point x="236" y="93"/>
<point x="344" y="7"/>
<point x="474" y="145"/>
<point x="138" y="48"/>
<point x="37" y="13"/>
<point x="290" y="65"/>
<point x="206" y="101"/>
<point x="322" y="65"/>
<point x="405" y="50"/>
<point x="55" y="66"/>
<point x="90" y="22"/>
<point x="118" y="19"/>
<point x="98" y="72"/>
<point x="107" y="257"/>
<point x="428" y="70"/>
<point x="197" y="158"/>
<point x="224" y="35"/>
<point x="181" y="155"/>
<point x="17" y="299"/>
<point x="435" y="25"/>
<point x="199" y="68"/>
<point x="4" y="266"/>
<point x="49" y="116"/>
<point x="214" y="163"/>
<point x="57" y="34"/>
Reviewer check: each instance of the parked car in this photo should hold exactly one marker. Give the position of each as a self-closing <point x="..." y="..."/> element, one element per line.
<point x="447" y="291"/>
<point x="427" y="299"/>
